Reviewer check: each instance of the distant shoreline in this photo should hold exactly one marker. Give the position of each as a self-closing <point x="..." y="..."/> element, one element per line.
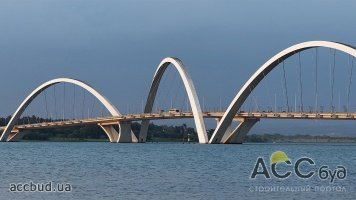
<point x="254" y="138"/>
<point x="278" y="138"/>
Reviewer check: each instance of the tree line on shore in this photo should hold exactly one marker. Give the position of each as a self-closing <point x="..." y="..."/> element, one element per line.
<point x="95" y="132"/>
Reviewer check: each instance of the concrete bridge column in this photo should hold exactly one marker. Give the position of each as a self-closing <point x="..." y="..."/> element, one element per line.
<point x="110" y="132"/>
<point x="238" y="135"/>
<point x="15" y="136"/>
<point x="143" y="132"/>
<point x="227" y="132"/>
<point x="125" y="135"/>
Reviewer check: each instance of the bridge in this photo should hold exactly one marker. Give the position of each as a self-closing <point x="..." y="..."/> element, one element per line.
<point x="240" y="117"/>
<point x="118" y="126"/>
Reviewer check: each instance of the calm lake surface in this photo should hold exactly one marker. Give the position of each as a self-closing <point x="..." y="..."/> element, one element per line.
<point x="170" y="170"/>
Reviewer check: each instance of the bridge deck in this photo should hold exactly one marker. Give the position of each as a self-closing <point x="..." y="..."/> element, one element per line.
<point x="181" y="115"/>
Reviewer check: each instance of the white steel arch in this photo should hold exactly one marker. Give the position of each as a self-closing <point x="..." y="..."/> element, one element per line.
<point x="111" y="108"/>
<point x="254" y="80"/>
<point x="192" y="96"/>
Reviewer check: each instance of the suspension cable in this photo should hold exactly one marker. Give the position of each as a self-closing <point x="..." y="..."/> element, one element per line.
<point x="74" y="102"/>
<point x="250" y="101"/>
<point x="46" y="107"/>
<point x="268" y="93"/>
<point x="178" y="89"/>
<point x="163" y="86"/>
<point x="158" y="92"/>
<point x="332" y="81"/>
<point x="83" y="103"/>
<point x="256" y="103"/>
<point x="300" y="83"/>
<point x="351" y="65"/>
<point x="92" y="108"/>
<point x="183" y="102"/>
<point x="316" y="80"/>
<point x="285" y="86"/>
<point x="189" y="108"/>
<point x="55" y="102"/>
<point x="64" y="100"/>
<point x="174" y="88"/>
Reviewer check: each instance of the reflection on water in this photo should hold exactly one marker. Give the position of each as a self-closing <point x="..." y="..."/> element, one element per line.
<point x="166" y="170"/>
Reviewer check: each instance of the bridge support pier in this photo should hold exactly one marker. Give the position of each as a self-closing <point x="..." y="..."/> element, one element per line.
<point x="227" y="132"/>
<point x="15" y="136"/>
<point x="110" y="132"/>
<point x="125" y="135"/>
<point x="238" y="135"/>
<point x="143" y="131"/>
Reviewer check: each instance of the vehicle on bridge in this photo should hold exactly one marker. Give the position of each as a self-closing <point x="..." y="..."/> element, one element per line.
<point x="174" y="111"/>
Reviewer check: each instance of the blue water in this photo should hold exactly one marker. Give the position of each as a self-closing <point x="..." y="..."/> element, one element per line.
<point x="167" y="170"/>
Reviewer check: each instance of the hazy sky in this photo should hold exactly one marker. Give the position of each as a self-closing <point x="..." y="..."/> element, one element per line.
<point x="116" y="45"/>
